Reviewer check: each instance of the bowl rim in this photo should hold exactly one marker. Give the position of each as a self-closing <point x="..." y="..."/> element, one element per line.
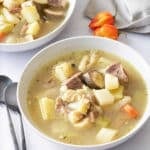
<point x="109" y="144"/>
<point x="63" y="22"/>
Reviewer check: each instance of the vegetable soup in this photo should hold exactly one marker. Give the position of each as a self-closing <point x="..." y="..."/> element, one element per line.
<point x="26" y="20"/>
<point x="87" y="97"/>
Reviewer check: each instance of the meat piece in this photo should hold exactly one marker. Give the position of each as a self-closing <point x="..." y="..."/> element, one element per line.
<point x="92" y="98"/>
<point x="58" y="3"/>
<point x="94" y="112"/>
<point x="53" y="13"/>
<point x="92" y="116"/>
<point x="61" y="106"/>
<point x="118" y="71"/>
<point x="24" y="29"/>
<point x="93" y="79"/>
<point x="15" y="10"/>
<point x="74" y="82"/>
<point x="83" y="124"/>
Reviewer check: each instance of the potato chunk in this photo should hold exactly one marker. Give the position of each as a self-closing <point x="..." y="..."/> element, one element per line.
<point x="33" y="28"/>
<point x="10" y="17"/>
<point x="6" y="27"/>
<point x="104" y="97"/>
<point x="30" y="13"/>
<point x="64" y="71"/>
<point x="10" y="4"/>
<point x="106" y="135"/>
<point x="47" y="107"/>
<point x="111" y="82"/>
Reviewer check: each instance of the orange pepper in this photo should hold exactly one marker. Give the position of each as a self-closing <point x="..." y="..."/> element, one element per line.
<point x="100" y="19"/>
<point x="2" y="36"/>
<point x="107" y="30"/>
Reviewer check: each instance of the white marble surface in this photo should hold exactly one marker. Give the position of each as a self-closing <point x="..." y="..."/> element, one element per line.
<point x="12" y="64"/>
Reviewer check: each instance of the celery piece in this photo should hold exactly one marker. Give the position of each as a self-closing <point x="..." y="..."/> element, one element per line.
<point x="102" y="122"/>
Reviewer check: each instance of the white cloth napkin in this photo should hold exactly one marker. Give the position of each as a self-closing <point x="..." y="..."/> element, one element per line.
<point x="130" y="15"/>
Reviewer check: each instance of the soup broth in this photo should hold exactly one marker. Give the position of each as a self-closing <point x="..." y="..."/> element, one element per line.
<point x="26" y="20"/>
<point x="98" y="121"/>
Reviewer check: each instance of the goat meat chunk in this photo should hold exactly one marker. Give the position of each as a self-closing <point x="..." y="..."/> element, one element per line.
<point x="118" y="71"/>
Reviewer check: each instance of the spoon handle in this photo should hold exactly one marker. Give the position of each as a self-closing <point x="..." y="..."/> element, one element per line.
<point x="12" y="130"/>
<point x="23" y="141"/>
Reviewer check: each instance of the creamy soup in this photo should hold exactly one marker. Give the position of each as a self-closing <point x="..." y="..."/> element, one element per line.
<point x="26" y="20"/>
<point x="87" y="98"/>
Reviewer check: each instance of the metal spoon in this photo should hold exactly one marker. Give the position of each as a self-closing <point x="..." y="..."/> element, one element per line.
<point x="4" y="82"/>
<point x="12" y="101"/>
<point x="10" y="93"/>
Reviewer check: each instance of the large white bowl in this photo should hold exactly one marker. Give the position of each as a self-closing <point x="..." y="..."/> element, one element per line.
<point x="42" y="41"/>
<point x="75" y="44"/>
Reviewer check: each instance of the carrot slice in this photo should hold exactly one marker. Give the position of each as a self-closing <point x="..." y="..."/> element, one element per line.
<point x="2" y="36"/>
<point x="131" y="111"/>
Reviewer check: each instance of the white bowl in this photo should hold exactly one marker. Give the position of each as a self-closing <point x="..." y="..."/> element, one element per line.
<point x="75" y="44"/>
<point x="42" y="41"/>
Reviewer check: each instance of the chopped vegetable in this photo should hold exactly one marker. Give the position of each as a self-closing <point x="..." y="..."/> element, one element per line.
<point x="131" y="111"/>
<point x="64" y="71"/>
<point x="104" y="97"/>
<point x="6" y="28"/>
<point x="107" y="30"/>
<point x="102" y="122"/>
<point x="10" y="17"/>
<point x="2" y="36"/>
<point x="47" y="107"/>
<point x="118" y="93"/>
<point x="84" y="106"/>
<point x="30" y="13"/>
<point x="33" y="28"/>
<point x="10" y="4"/>
<point x="125" y="100"/>
<point x="100" y="19"/>
<point x="111" y="82"/>
<point x="106" y="135"/>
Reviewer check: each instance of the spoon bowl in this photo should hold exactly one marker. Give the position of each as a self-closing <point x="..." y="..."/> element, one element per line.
<point x="4" y="82"/>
